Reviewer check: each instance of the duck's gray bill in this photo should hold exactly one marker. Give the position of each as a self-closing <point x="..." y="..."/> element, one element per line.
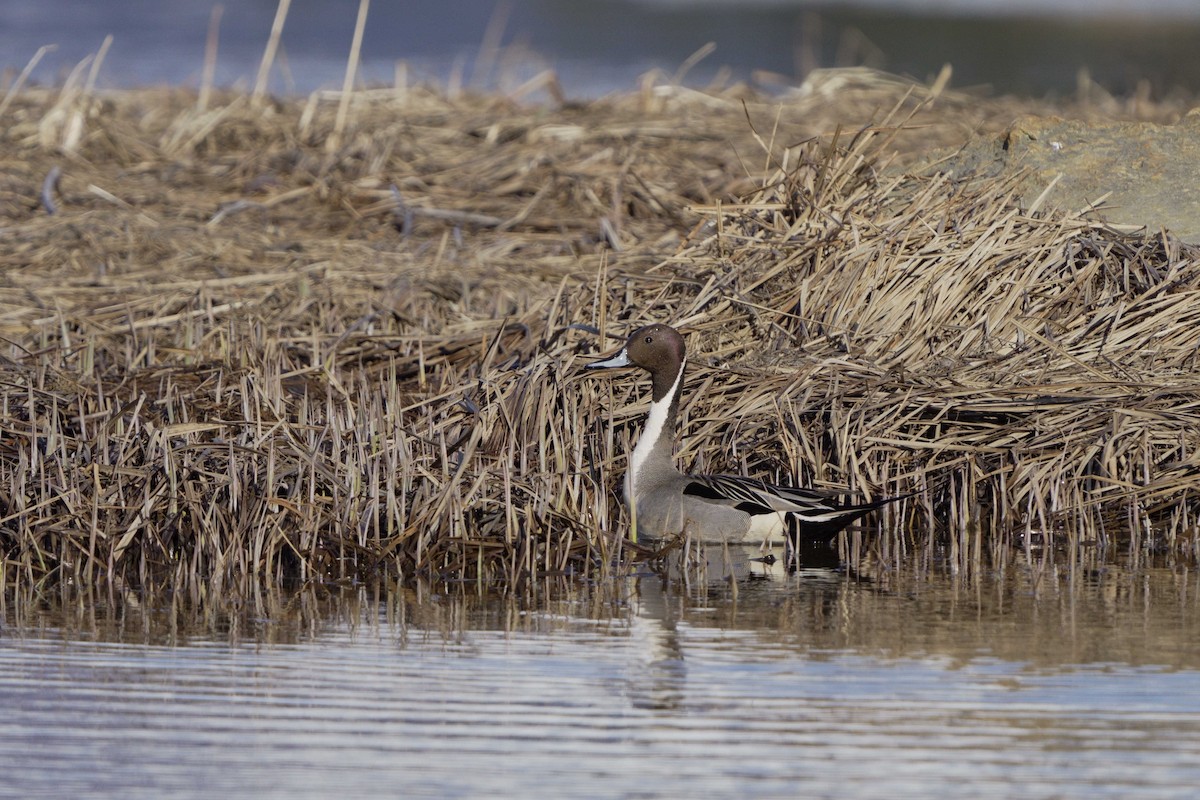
<point x="621" y="359"/>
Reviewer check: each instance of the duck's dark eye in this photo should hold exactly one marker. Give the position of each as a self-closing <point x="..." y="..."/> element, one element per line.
<point x="649" y="340"/>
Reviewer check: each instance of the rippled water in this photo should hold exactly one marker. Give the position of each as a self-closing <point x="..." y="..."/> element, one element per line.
<point x="1019" y="682"/>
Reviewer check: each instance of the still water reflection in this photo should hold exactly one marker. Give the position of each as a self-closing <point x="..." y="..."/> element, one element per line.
<point x="914" y="683"/>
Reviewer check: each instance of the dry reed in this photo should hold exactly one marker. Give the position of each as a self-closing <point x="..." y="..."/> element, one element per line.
<point x="230" y="353"/>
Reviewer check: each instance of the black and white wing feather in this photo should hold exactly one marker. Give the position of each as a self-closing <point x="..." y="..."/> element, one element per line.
<point x="818" y="515"/>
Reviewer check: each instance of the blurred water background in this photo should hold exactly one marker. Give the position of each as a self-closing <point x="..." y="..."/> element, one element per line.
<point x="1028" y="47"/>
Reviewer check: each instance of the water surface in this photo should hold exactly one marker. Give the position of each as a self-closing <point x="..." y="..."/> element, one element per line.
<point x="597" y="46"/>
<point x="1051" y="682"/>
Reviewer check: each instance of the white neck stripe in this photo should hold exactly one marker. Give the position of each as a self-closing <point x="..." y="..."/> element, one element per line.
<point x="655" y="421"/>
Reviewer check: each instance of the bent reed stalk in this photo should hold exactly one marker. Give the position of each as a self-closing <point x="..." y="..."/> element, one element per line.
<point x="230" y="353"/>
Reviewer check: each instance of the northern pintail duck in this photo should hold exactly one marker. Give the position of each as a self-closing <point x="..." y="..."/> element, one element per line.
<point x="666" y="502"/>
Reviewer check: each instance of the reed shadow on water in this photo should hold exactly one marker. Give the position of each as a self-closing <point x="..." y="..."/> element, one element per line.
<point x="1137" y="612"/>
<point x="795" y="672"/>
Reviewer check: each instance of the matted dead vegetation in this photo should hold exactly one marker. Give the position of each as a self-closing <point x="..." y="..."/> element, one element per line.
<point x="232" y="350"/>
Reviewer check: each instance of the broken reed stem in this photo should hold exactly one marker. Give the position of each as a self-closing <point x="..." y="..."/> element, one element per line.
<point x="15" y="89"/>
<point x="489" y="46"/>
<point x="339" y="125"/>
<point x="208" y="75"/>
<point x="268" y="59"/>
<point x="90" y="87"/>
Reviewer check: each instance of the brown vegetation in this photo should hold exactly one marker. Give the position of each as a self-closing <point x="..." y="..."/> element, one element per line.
<point x="230" y="349"/>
